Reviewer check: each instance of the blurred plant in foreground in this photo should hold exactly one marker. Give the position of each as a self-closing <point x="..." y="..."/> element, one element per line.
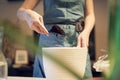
<point x="114" y="40"/>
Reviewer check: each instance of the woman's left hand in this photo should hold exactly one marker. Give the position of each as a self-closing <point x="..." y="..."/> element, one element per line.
<point x="83" y="39"/>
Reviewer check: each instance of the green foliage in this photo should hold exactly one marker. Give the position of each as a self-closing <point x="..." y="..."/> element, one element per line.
<point x="114" y="40"/>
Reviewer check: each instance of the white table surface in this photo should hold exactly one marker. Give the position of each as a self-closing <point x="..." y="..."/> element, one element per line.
<point x="24" y="78"/>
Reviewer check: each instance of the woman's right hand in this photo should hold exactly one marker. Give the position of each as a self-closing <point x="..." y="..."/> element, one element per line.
<point x="33" y="19"/>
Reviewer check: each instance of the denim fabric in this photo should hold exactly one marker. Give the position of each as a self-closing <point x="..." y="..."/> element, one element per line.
<point x="57" y="40"/>
<point x="56" y="11"/>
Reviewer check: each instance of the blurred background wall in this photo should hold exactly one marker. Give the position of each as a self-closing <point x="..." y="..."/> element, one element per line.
<point x="101" y="26"/>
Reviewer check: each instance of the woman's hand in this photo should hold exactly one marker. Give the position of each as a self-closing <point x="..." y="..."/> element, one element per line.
<point x="83" y="39"/>
<point x="34" y="20"/>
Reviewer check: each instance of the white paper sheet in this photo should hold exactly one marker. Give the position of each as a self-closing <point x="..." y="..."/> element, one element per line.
<point x="73" y="57"/>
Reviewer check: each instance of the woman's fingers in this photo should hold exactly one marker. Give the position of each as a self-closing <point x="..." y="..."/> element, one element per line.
<point x="42" y="24"/>
<point x="39" y="28"/>
<point x="82" y="40"/>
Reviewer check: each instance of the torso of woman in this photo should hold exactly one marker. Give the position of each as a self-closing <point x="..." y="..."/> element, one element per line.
<point x="60" y="11"/>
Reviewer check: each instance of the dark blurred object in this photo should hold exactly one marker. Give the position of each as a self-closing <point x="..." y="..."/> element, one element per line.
<point x="36" y="37"/>
<point x="92" y="45"/>
<point x="79" y="25"/>
<point x="57" y="29"/>
<point x="1" y="36"/>
<point x="15" y="0"/>
<point x="25" y="71"/>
